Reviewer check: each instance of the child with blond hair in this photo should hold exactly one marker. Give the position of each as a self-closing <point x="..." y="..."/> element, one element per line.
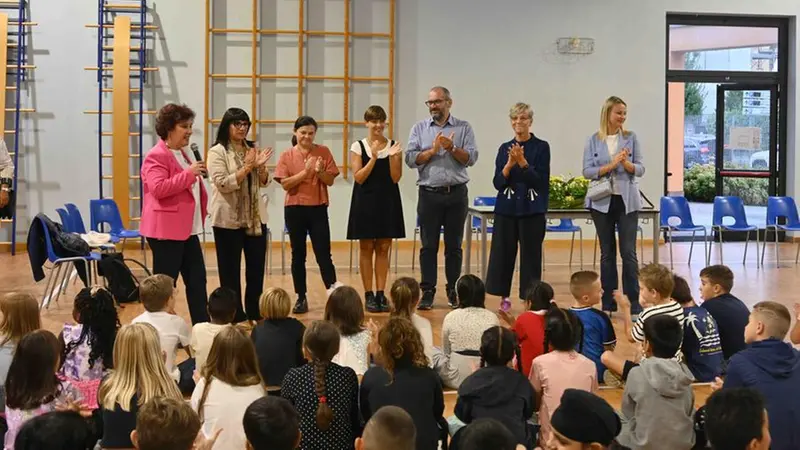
<point x="139" y="375"/>
<point x="278" y="338"/>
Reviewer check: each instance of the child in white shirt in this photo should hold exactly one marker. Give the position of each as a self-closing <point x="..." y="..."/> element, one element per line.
<point x="222" y="304"/>
<point x="157" y="295"/>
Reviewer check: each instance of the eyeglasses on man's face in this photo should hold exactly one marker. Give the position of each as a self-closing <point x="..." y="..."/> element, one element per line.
<point x="438" y="102"/>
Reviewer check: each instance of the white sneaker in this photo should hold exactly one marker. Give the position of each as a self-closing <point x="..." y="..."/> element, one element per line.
<point x="333" y="287"/>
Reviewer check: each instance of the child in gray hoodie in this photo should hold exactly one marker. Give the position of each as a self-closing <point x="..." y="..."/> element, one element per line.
<point x="658" y="403"/>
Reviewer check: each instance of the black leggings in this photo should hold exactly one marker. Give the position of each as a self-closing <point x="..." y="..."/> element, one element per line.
<point x="312" y="221"/>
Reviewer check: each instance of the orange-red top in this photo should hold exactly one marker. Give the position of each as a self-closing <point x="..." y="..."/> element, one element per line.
<point x="311" y="191"/>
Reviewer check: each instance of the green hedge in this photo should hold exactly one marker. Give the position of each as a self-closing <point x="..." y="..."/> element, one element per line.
<point x="699" y="186"/>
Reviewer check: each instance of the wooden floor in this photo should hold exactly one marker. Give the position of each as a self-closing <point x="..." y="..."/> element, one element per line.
<point x="752" y="284"/>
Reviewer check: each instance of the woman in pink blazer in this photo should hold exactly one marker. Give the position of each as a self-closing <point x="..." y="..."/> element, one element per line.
<point x="174" y="207"/>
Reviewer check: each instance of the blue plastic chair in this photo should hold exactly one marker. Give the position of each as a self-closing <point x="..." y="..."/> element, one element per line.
<point x="567" y="226"/>
<point x="105" y="210"/>
<point x="58" y="279"/>
<point x="66" y="220"/>
<point x="778" y="207"/>
<point x="731" y="206"/>
<point x="77" y="219"/>
<point x="679" y="207"/>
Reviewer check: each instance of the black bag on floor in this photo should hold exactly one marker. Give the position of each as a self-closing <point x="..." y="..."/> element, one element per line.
<point x="121" y="282"/>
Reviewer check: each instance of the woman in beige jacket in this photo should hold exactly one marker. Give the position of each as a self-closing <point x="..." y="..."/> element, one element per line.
<point x="237" y="171"/>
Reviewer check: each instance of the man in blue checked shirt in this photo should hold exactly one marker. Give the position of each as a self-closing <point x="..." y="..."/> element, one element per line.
<point x="441" y="148"/>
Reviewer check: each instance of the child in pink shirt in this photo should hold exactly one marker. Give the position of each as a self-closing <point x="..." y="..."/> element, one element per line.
<point x="560" y="369"/>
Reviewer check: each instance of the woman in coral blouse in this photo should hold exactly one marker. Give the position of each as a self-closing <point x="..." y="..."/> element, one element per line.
<point x="305" y="171"/>
<point x="174" y="206"/>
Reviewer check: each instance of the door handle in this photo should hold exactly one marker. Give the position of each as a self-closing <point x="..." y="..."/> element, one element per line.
<point x="669" y="174"/>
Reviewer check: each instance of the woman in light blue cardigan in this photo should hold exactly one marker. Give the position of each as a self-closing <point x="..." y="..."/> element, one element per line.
<point x="615" y="153"/>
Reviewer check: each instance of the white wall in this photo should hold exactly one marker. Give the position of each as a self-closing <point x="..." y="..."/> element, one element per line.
<point x="490" y="55"/>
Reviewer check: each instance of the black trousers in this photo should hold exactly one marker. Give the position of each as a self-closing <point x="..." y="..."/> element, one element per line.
<point x="443" y="208"/>
<point x="312" y="221"/>
<point x="185" y="258"/>
<point x="607" y="225"/>
<point x="509" y="231"/>
<point x="230" y="244"/>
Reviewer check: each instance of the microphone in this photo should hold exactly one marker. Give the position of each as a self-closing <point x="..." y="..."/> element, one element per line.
<point x="197" y="156"/>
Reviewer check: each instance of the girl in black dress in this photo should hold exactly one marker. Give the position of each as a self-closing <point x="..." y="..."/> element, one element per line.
<point x="376" y="211"/>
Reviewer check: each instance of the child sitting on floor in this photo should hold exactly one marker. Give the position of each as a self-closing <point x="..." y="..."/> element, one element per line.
<point x="728" y="311"/>
<point x="33" y="387"/>
<point x="583" y="421"/>
<point x="271" y="423"/>
<point x="139" y="375"/>
<point x="346" y="310"/>
<point x="701" y="348"/>
<point x="655" y="291"/>
<point x="88" y="345"/>
<point x="324" y="393"/>
<point x="737" y="420"/>
<point x="404" y="379"/>
<point x="772" y="367"/>
<point x="20" y="316"/>
<point x="157" y="295"/>
<point x="168" y="423"/>
<point x="229" y="383"/>
<point x="496" y="390"/>
<point x="222" y="304"/>
<point x="529" y="326"/>
<point x="562" y="368"/>
<point x="658" y="402"/>
<point x="390" y="428"/>
<point x="278" y="338"/>
<point x="598" y="332"/>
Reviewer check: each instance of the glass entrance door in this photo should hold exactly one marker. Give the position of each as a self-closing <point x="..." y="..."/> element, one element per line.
<point x="746" y="157"/>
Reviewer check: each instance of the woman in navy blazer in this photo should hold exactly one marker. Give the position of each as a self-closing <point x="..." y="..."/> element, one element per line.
<point x="522" y="180"/>
<point x="615" y="153"/>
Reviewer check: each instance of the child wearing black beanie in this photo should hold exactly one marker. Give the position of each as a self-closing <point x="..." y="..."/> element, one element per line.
<point x="583" y="418"/>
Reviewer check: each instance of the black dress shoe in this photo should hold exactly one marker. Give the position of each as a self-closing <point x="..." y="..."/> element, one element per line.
<point x="301" y="306"/>
<point x="383" y="303"/>
<point x="427" y="301"/>
<point x="372" y="302"/>
<point x="452" y="300"/>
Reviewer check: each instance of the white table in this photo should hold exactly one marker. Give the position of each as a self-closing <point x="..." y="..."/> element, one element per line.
<point x="486" y="214"/>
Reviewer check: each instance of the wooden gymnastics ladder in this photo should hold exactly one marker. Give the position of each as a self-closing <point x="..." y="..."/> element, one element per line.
<point x="255" y="76"/>
<point x="127" y="70"/>
<point x="15" y="63"/>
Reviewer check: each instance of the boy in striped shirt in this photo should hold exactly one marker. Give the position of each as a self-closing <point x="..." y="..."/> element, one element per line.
<point x="655" y="294"/>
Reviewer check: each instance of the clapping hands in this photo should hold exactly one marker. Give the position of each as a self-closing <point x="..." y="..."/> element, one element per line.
<point x="395" y="149"/>
<point x="516" y="156"/>
<point x="443" y="142"/>
<point x="263" y="156"/>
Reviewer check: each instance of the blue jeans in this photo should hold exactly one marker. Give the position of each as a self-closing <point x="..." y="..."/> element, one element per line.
<point x="606" y="225"/>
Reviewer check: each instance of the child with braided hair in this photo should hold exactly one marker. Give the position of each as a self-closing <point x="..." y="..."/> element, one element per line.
<point x="88" y="344"/>
<point x="562" y="367"/>
<point x="324" y="393"/>
<point x="497" y="390"/>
